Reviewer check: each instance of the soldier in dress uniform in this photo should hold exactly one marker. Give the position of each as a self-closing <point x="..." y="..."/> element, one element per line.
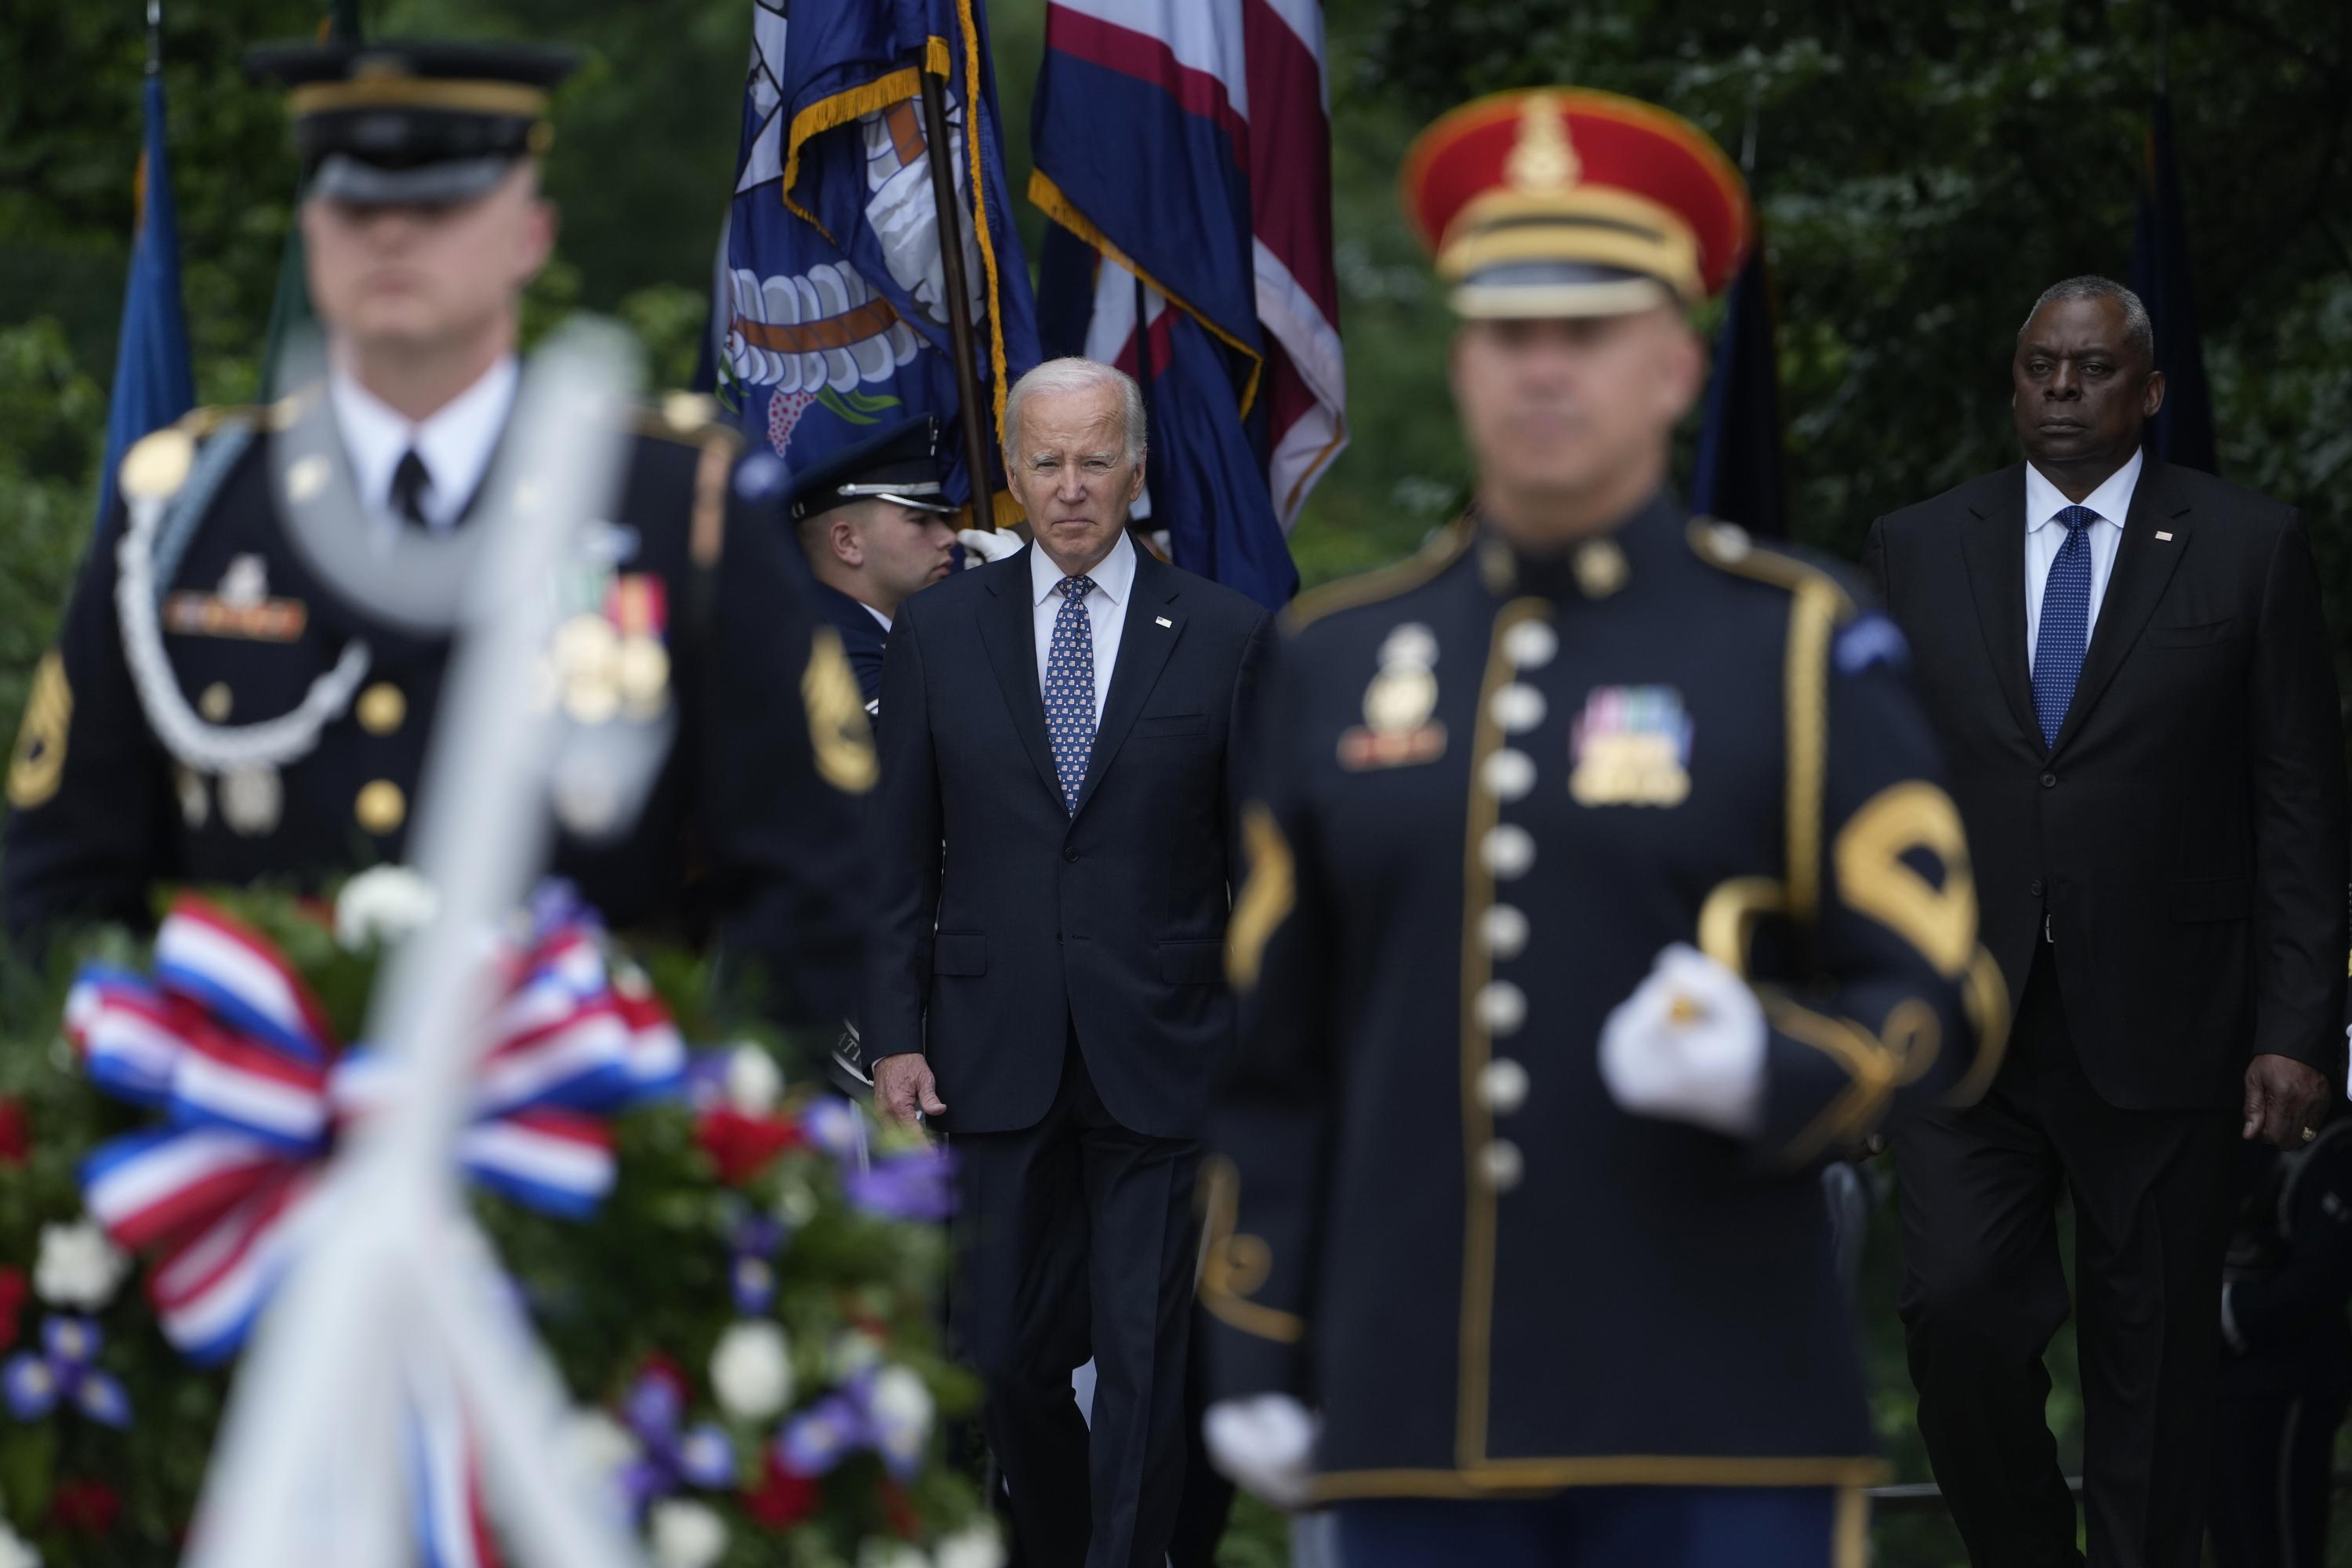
<point x="1600" y="883"/>
<point x="230" y="701"/>
<point x="874" y="522"/>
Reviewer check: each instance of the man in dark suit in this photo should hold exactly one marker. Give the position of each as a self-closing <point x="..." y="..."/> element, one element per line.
<point x="1058" y="839"/>
<point x="2130" y="677"/>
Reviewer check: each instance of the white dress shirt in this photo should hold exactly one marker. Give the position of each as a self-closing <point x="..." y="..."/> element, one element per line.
<point x="876" y="613"/>
<point x="1114" y="580"/>
<point x="2045" y="536"/>
<point x="455" y="443"/>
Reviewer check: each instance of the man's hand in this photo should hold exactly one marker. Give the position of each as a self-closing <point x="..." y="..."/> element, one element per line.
<point x="903" y="1085"/>
<point x="983" y="545"/>
<point x="1265" y="1444"/>
<point x="1688" y="1045"/>
<point x="2284" y="1098"/>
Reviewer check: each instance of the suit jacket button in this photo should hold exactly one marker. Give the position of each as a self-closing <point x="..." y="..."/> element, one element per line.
<point x="2036" y="888"/>
<point x="2049" y="781"/>
<point x="1071" y="856"/>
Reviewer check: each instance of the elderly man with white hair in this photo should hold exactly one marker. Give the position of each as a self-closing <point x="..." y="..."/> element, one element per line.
<point x="1057" y="843"/>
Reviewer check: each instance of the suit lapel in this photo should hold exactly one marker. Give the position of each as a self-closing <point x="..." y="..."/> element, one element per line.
<point x="1008" y="632"/>
<point x="2144" y="566"/>
<point x="1994" y="548"/>
<point x="1144" y="645"/>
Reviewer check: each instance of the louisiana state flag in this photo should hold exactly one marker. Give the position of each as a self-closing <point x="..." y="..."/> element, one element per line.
<point x="153" y="383"/>
<point x="1183" y="150"/>
<point x="833" y="305"/>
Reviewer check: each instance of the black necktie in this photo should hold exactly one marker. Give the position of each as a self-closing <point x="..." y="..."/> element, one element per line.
<point x="409" y="483"/>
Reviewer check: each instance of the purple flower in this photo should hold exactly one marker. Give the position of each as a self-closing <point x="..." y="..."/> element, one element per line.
<point x="915" y="1185"/>
<point x="34" y="1384"/>
<point x="753" y="1243"/>
<point x="818" y="1439"/>
<point x="669" y="1459"/>
<point x="835" y="1126"/>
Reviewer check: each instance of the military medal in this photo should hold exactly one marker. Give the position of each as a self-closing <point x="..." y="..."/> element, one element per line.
<point x="252" y="799"/>
<point x="1631" y="746"/>
<point x="1398" y="729"/>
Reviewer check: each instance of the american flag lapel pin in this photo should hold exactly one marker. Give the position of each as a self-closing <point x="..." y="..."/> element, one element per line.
<point x="2165" y="537"/>
<point x="1164" y="621"/>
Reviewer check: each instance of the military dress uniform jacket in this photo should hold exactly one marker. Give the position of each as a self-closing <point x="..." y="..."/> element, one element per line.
<point x="862" y="638"/>
<point x="1496" y="788"/>
<point x="750" y="831"/>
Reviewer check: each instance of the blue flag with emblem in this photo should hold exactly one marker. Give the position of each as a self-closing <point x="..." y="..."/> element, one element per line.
<point x="2182" y="430"/>
<point x="154" y="385"/>
<point x="831" y="307"/>
<point x="1737" y="475"/>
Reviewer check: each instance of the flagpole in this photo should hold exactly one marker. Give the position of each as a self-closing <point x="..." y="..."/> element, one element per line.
<point x="154" y="36"/>
<point x="950" y="229"/>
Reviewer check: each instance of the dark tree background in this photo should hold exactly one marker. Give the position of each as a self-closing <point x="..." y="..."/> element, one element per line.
<point x="1923" y="170"/>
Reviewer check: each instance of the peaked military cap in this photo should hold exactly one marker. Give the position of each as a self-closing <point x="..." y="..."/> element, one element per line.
<point x="1568" y="202"/>
<point x="901" y="464"/>
<point x="404" y="122"/>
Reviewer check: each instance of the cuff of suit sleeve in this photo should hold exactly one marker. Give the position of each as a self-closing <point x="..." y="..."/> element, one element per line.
<point x="2231" y="1333"/>
<point x="1827" y="1084"/>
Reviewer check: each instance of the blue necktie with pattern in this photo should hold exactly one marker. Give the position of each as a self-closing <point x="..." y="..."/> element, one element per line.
<point x="2066" y="629"/>
<point x="1070" y="689"/>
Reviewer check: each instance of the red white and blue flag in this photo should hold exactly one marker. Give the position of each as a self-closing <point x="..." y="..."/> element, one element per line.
<point x="1183" y="150"/>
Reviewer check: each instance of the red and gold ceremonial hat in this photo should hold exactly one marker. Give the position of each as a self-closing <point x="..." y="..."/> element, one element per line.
<point x="1567" y="201"/>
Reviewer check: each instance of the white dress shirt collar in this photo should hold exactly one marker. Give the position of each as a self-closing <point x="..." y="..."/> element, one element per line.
<point x="1113" y="575"/>
<point x="455" y="442"/>
<point x="2112" y="500"/>
<point x="876" y="613"/>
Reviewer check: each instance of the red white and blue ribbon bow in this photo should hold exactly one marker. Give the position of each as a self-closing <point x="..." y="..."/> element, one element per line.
<point x="230" y="1045"/>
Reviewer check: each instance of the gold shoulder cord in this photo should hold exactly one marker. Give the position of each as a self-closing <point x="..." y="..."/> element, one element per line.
<point x="1386" y="582"/>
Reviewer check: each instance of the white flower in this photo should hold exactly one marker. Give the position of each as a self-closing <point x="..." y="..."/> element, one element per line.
<point x="78" y="1266"/>
<point x="754" y="1082"/>
<point x="877" y="1552"/>
<point x="796" y="1203"/>
<point x="751" y="1371"/>
<point x="597" y="1445"/>
<point x="686" y="1535"/>
<point x="15" y="1550"/>
<point x="976" y="1546"/>
<point x="381" y="905"/>
<point x="902" y="1409"/>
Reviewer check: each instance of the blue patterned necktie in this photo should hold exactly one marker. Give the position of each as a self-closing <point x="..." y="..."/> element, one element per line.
<point x="2066" y="629"/>
<point x="1070" y="689"/>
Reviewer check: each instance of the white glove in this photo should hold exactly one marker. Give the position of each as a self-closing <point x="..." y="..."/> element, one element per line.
<point x="1265" y="1444"/>
<point x="1688" y="1045"/>
<point x="982" y="545"/>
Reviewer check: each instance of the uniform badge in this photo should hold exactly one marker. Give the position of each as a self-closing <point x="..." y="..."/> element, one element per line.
<point x="1631" y="746"/>
<point x="251" y="800"/>
<point x="1397" y="730"/>
<point x="240" y="607"/>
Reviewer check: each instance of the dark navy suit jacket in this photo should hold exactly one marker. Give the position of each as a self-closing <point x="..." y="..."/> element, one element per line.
<point x="1008" y="919"/>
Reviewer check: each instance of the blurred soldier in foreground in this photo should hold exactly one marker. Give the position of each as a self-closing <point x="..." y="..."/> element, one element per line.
<point x="1516" y="1253"/>
<point x="875" y="529"/>
<point x="2286" y="1354"/>
<point x="225" y="706"/>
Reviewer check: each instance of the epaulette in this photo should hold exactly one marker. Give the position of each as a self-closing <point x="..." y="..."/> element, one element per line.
<point x="1731" y="548"/>
<point x="689" y="417"/>
<point x="1442" y="550"/>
